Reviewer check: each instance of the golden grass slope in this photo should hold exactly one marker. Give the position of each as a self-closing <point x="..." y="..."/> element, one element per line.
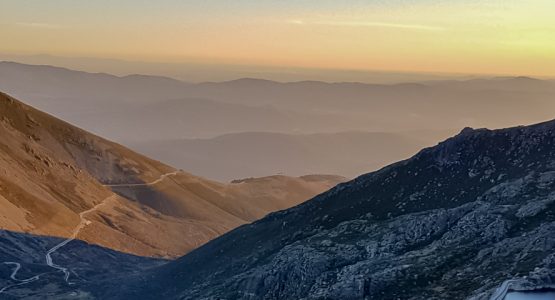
<point x="50" y="171"/>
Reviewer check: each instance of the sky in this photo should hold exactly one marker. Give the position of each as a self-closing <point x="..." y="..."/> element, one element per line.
<point x="504" y="37"/>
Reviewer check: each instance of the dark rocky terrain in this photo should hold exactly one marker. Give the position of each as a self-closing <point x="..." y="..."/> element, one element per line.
<point x="89" y="263"/>
<point x="453" y="222"/>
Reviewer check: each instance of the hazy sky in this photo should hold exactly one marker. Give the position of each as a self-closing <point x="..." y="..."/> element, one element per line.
<point x="459" y="36"/>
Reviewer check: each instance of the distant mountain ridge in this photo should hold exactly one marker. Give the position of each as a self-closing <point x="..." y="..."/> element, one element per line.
<point x="80" y="97"/>
<point x="245" y="81"/>
<point x="140" y="111"/>
<point x="253" y="154"/>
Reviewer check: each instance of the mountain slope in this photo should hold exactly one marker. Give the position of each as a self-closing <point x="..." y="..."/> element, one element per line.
<point x="52" y="171"/>
<point x="454" y="221"/>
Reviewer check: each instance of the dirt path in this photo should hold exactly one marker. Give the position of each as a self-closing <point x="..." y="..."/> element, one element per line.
<point x="82" y="224"/>
<point x="143" y="184"/>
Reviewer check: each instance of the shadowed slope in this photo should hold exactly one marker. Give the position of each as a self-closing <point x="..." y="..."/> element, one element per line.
<point x="22" y="256"/>
<point x="452" y="222"/>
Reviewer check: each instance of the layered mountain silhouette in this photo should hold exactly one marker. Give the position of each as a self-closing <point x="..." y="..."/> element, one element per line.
<point x="262" y="105"/>
<point x="52" y="173"/>
<point x="147" y="111"/>
<point x="258" y="153"/>
<point x="453" y="222"/>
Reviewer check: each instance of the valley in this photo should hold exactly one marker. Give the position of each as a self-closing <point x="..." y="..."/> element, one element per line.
<point x="277" y="150"/>
<point x="79" y="170"/>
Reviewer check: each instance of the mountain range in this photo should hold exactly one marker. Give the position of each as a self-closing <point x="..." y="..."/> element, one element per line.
<point x="470" y="218"/>
<point x="246" y="154"/>
<point x="74" y="95"/>
<point x="83" y="217"/>
<point x="145" y="111"/>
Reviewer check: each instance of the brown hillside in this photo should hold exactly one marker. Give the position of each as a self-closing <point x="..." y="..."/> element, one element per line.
<point x="50" y="171"/>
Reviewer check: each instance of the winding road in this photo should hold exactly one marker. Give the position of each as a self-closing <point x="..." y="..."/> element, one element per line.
<point x="144" y="184"/>
<point x="16" y="268"/>
<point x="82" y="224"/>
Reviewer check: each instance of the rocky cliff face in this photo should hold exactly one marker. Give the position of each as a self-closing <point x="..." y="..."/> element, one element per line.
<point x="453" y="222"/>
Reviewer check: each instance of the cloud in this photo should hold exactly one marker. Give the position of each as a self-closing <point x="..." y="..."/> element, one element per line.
<point x="38" y="25"/>
<point x="368" y="24"/>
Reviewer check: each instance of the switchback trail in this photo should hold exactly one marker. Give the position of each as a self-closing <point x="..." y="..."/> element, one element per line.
<point x="82" y="224"/>
<point x="16" y="268"/>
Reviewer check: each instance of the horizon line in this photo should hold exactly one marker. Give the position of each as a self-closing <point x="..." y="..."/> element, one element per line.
<point x="449" y="76"/>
